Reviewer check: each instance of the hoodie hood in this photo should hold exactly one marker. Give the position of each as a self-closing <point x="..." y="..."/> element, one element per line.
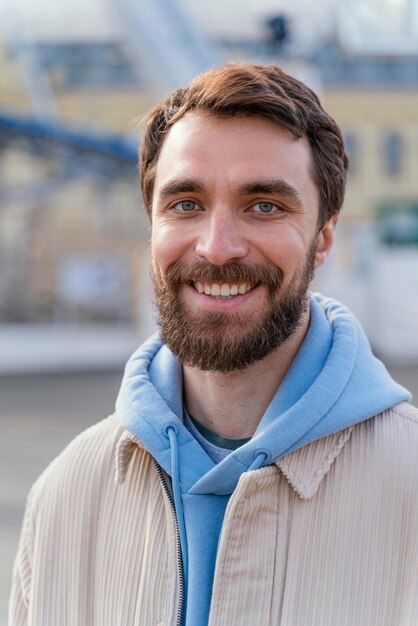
<point x="334" y="382"/>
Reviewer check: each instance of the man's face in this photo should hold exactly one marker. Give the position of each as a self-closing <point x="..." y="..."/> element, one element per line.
<point x="234" y="239"/>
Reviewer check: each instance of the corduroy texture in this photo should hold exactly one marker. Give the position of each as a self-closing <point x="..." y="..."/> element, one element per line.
<point x="328" y="535"/>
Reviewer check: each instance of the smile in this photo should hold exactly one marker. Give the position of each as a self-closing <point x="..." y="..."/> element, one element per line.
<point x="223" y="290"/>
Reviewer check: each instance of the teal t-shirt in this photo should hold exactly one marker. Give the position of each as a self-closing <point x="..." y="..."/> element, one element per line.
<point x="216" y="446"/>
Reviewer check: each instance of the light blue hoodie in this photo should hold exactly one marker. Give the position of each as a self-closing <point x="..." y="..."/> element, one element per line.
<point x="333" y="382"/>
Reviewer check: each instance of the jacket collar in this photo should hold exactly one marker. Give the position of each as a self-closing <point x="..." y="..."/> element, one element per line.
<point x="304" y="469"/>
<point x="125" y="449"/>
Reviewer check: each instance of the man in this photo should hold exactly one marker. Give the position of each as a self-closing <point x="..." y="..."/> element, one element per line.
<point x="265" y="460"/>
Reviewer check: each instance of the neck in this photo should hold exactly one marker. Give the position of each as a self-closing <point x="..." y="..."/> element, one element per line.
<point x="233" y="404"/>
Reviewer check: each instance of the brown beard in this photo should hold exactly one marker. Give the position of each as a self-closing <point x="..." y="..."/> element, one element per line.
<point x="223" y="342"/>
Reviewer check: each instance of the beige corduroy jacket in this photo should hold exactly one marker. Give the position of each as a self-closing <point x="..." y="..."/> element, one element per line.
<point x="326" y="536"/>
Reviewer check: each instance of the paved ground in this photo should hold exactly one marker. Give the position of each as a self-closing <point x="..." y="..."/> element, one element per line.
<point x="38" y="416"/>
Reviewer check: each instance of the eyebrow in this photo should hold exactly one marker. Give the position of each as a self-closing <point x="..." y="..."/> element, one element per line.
<point x="183" y="185"/>
<point x="274" y="186"/>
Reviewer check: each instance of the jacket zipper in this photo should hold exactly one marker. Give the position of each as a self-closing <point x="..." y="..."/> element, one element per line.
<point x="179" y="559"/>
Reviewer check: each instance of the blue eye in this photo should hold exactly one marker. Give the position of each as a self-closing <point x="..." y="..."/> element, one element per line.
<point x="187" y="205"/>
<point x="266" y="207"/>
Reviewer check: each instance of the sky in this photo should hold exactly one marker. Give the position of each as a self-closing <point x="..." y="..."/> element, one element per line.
<point x="60" y="19"/>
<point x="362" y="23"/>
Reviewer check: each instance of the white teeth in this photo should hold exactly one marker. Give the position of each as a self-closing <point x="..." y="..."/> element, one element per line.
<point x="223" y="290"/>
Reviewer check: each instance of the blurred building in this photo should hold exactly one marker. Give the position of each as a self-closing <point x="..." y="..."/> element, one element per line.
<point x="72" y="227"/>
<point x="374" y="98"/>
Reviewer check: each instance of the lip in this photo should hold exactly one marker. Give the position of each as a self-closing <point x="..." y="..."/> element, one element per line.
<point x="219" y="304"/>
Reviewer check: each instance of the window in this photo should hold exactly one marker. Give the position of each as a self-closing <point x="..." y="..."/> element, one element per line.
<point x="392" y="154"/>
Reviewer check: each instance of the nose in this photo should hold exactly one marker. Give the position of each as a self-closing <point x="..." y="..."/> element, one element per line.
<point x="221" y="241"/>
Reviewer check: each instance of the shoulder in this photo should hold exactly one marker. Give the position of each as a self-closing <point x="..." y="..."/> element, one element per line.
<point x="88" y="460"/>
<point x="386" y="445"/>
<point x="70" y="488"/>
<point x="405" y="411"/>
<point x="396" y="427"/>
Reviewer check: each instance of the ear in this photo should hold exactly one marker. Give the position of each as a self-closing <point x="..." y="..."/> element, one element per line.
<point x="325" y="240"/>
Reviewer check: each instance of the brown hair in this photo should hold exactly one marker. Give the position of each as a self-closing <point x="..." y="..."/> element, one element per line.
<point x="254" y="90"/>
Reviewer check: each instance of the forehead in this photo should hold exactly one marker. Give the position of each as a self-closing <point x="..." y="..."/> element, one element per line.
<point x="233" y="150"/>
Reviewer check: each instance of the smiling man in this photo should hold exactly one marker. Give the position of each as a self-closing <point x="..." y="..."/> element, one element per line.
<point x="265" y="460"/>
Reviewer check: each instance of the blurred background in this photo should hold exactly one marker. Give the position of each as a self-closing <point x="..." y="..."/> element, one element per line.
<point x="75" y="299"/>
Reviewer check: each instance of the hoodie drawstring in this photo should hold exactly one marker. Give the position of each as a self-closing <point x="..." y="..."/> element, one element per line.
<point x="260" y="458"/>
<point x="175" y="479"/>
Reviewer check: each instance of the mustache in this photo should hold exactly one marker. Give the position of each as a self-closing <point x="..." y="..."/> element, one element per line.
<point x="180" y="272"/>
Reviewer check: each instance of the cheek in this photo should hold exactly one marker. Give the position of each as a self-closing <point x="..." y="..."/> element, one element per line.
<point x="286" y="252"/>
<point x="166" y="248"/>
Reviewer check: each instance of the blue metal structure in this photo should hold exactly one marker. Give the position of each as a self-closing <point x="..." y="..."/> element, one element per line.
<point x="41" y="132"/>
